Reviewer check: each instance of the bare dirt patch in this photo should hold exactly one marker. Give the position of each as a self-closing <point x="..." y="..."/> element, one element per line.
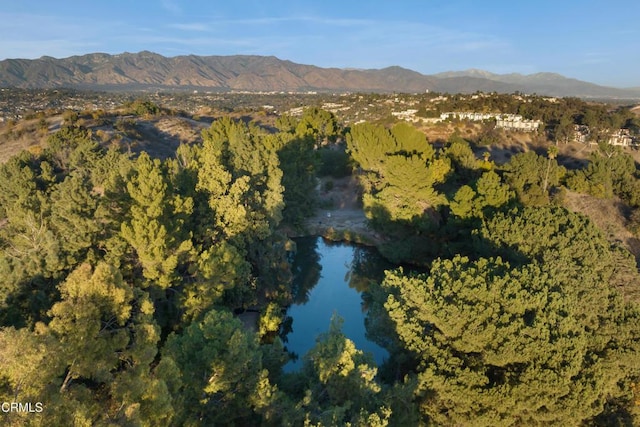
<point x="24" y="135"/>
<point x="340" y="193"/>
<point x="608" y="215"/>
<point x="161" y="137"/>
<point x="341" y="216"/>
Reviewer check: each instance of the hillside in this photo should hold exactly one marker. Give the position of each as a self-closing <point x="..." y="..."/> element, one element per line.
<point x="150" y="71"/>
<point x="541" y="83"/>
<point x="146" y="70"/>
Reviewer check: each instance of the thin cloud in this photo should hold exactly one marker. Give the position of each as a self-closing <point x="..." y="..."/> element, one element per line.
<point x="590" y="58"/>
<point x="405" y="37"/>
<point x="194" y="26"/>
<point x="171" y="6"/>
<point x="274" y="20"/>
<point x="150" y="40"/>
<point x="57" y="48"/>
<point x="55" y="36"/>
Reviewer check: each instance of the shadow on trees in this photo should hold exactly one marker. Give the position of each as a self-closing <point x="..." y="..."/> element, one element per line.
<point x="298" y="161"/>
<point x="438" y="234"/>
<point x="29" y="302"/>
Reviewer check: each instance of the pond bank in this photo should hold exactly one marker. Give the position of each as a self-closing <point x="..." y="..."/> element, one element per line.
<point x="339" y="225"/>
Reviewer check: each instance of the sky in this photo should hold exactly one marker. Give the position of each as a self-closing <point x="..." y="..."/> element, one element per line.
<point x="596" y="41"/>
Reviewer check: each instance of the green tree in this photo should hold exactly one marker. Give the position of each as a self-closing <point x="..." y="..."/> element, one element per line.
<point x="499" y="345"/>
<point x="399" y="172"/>
<point x="18" y="187"/>
<point x="71" y="148"/>
<point x="144" y="108"/>
<point x="212" y="368"/>
<point x="489" y="194"/>
<point x="220" y="268"/>
<point x="462" y="157"/>
<point x="609" y="172"/>
<point x="563" y="132"/>
<point x="552" y="153"/>
<point x="90" y="322"/>
<point x="337" y="386"/>
<point x="317" y="123"/>
<point x="30" y="260"/>
<point x="241" y="176"/>
<point x="72" y="218"/>
<point x="286" y="123"/>
<point x="104" y="339"/>
<point x="154" y="230"/>
<point x="409" y="188"/>
<point x="532" y="176"/>
<point x="299" y="162"/>
<point x="463" y="205"/>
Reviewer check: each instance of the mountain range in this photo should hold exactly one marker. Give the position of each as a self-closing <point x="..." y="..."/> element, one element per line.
<point x="151" y="71"/>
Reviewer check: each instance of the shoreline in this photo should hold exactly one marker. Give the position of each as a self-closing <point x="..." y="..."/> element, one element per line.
<point x="338" y="225"/>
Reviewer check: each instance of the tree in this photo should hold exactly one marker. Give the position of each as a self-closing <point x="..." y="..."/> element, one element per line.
<point x="462" y="157"/>
<point x="504" y="340"/>
<point x="489" y="194"/>
<point x="220" y="268"/>
<point x="72" y="218"/>
<point x="463" y="205"/>
<point x="317" y="123"/>
<point x="552" y="153"/>
<point x="28" y="368"/>
<point x="531" y="176"/>
<point x="567" y="244"/>
<point x="400" y="172"/>
<point x="563" y="131"/>
<point x="609" y="172"/>
<point x="104" y="339"/>
<point x="18" y="187"/>
<point x="337" y="386"/>
<point x="213" y="368"/>
<point x="499" y="345"/>
<point x="299" y="162"/>
<point x="242" y="178"/>
<point x="90" y="322"/>
<point x="71" y="148"/>
<point x="154" y="230"/>
<point x="144" y="108"/>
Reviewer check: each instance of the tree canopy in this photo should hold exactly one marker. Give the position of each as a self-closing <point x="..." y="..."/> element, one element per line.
<point x="137" y="290"/>
<point x="541" y="340"/>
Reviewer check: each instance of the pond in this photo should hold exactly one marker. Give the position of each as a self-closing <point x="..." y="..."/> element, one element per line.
<point x="330" y="278"/>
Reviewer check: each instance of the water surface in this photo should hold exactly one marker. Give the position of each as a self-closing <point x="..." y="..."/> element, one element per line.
<point x="330" y="278"/>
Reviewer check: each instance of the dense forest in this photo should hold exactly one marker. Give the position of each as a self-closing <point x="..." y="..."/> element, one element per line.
<point x="122" y="276"/>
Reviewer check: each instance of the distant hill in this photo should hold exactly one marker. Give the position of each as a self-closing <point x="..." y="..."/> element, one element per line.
<point x="150" y="71"/>
<point x="544" y="84"/>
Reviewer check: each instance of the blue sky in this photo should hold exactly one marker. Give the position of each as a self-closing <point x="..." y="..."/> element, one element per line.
<point x="597" y="41"/>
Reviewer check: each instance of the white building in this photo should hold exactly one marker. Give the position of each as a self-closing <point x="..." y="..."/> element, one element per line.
<point x="505" y="121"/>
<point x="621" y="137"/>
<point x="516" y="122"/>
<point x="409" y="115"/>
<point x="465" y="115"/>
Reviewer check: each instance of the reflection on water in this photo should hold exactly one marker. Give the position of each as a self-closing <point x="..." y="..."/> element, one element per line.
<point x="306" y="268"/>
<point x="328" y="278"/>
